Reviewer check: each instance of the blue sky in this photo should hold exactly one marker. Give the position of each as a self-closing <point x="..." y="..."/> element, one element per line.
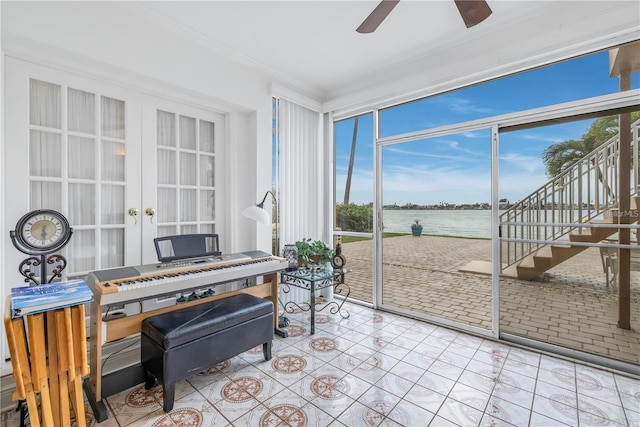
<point x="456" y="168"/>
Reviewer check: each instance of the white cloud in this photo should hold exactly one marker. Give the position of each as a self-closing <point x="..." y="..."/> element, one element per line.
<point x="463" y="105"/>
<point x="519" y="161"/>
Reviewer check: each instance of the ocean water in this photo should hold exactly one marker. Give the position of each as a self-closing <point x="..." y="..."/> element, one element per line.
<point x="461" y="223"/>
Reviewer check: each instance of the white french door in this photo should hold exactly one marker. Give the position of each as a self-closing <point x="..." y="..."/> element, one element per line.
<point x="122" y="166"/>
<point x="72" y="145"/>
<point x="180" y="147"/>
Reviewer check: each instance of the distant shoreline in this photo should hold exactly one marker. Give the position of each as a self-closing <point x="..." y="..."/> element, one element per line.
<point x="446" y="207"/>
<point x="438" y="208"/>
<point x="474" y="207"/>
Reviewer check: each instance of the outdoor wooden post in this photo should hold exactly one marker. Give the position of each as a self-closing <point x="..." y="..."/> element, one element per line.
<point x="624" y="257"/>
<point x="622" y="62"/>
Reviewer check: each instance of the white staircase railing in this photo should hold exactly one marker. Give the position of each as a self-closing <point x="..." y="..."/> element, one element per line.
<point x="580" y="194"/>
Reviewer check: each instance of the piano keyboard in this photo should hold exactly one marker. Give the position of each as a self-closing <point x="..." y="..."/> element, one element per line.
<point x="131" y="284"/>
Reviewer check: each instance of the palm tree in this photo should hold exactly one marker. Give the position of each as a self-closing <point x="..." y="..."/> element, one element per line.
<point x="347" y="189"/>
<point x="561" y="156"/>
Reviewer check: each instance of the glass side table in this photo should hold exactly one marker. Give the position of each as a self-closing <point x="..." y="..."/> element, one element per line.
<point x="314" y="279"/>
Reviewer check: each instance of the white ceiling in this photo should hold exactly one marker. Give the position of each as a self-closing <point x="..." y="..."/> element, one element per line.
<point x="313" y="44"/>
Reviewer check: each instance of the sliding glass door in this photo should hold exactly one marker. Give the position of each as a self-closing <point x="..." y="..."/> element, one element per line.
<point x="435" y="209"/>
<point x="570" y="250"/>
<point x="353" y="226"/>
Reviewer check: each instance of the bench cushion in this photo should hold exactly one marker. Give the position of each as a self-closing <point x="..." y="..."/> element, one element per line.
<point x="181" y="326"/>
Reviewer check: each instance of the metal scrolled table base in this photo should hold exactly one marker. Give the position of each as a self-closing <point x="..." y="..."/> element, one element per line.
<point x="337" y="281"/>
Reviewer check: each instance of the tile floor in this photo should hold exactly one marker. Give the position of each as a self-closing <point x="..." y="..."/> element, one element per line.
<point x="379" y="369"/>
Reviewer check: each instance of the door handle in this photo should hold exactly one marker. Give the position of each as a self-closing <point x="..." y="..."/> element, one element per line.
<point x="150" y="212"/>
<point x="134" y="213"/>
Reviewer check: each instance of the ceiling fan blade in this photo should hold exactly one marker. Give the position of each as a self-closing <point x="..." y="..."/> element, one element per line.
<point x="376" y="17"/>
<point x="473" y="11"/>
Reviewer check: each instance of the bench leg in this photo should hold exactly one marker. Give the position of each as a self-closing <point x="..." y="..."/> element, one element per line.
<point x="266" y="350"/>
<point x="149" y="380"/>
<point x="169" y="392"/>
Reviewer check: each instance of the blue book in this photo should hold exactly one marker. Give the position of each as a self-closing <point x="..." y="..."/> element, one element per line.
<point x="36" y="299"/>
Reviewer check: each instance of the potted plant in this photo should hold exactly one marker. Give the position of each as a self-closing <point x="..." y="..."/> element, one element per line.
<point x="313" y="252"/>
<point x="416" y="228"/>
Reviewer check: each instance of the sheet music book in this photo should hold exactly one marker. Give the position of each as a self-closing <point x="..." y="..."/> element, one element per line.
<point x="36" y="299"/>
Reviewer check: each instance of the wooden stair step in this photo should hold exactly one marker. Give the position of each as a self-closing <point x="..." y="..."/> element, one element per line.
<point x="595" y="235"/>
<point x="562" y="253"/>
<point x="527" y="262"/>
<point x="549" y="256"/>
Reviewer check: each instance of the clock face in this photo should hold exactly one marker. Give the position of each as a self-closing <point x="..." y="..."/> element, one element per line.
<point x="338" y="261"/>
<point x="43" y="231"/>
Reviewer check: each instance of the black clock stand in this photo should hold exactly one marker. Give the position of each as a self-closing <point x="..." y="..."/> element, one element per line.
<point x="29" y="266"/>
<point x="54" y="232"/>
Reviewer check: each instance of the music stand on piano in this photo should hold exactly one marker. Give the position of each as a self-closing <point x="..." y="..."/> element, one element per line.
<point x="182" y="246"/>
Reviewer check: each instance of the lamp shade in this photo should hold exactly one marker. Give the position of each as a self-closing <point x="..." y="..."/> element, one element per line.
<point x="257" y="214"/>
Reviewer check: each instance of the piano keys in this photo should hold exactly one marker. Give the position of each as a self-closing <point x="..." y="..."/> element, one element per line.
<point x="129" y="284"/>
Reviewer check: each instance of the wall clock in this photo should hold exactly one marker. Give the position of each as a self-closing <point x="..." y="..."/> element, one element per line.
<point x="39" y="233"/>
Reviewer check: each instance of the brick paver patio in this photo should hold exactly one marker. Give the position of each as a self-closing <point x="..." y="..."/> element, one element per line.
<point x="571" y="306"/>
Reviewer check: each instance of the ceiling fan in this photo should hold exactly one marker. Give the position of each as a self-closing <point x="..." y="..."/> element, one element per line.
<point x="472" y="11"/>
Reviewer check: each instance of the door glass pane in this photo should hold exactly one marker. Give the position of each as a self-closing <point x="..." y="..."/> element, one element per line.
<point x="167" y="230"/>
<point x="81" y="111"/>
<point x="81" y="157"/>
<point x="207" y="165"/>
<point x="46" y="195"/>
<point x="206" y="137"/>
<point x="207" y="205"/>
<point x="207" y="228"/>
<point x="112" y="211"/>
<point x="187" y="133"/>
<point x="113" y="118"/>
<point x="354" y="174"/>
<point x="553" y="289"/>
<point x="436" y="246"/>
<point x="111" y="250"/>
<point x="166" y="167"/>
<point x="45" y="154"/>
<point x="166" y="129"/>
<point x="45" y="104"/>
<point x="113" y="161"/>
<point x="166" y="199"/>
<point x="188" y="169"/>
<point x="82" y="249"/>
<point x="188" y="205"/>
<point x="82" y="204"/>
<point x="189" y="229"/>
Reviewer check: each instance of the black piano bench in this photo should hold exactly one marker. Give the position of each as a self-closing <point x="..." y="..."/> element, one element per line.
<point x="181" y="343"/>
